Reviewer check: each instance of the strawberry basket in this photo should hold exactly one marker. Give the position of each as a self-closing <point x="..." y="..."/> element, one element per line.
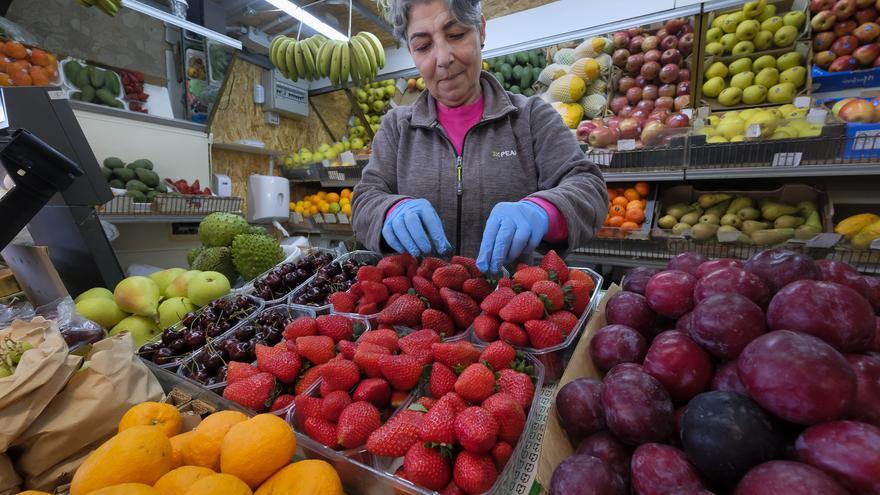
<point x="312" y="294"/>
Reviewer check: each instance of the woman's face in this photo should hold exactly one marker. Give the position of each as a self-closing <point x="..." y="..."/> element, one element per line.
<point x="446" y="52"/>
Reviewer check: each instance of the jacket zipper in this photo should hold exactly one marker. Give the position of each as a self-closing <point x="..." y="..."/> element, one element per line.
<point x="458" y="161"/>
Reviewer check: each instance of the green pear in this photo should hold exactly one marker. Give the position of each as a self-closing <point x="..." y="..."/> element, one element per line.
<point x="141" y="328"/>
<point x="93" y="293"/>
<point x="785" y="36"/>
<point x="795" y="75"/>
<point x="173" y="310"/>
<point x="747" y="29"/>
<point x="742" y="80"/>
<point x="763" y="40"/>
<point x="794" y="18"/>
<point x="715" y="48"/>
<point x="716" y="23"/>
<point x="754" y="94"/>
<point x="743" y="48"/>
<point x="713" y="87"/>
<point x="740" y="65"/>
<point x="772" y="24"/>
<point x="767" y="77"/>
<point x="207" y="286"/>
<point x="729" y="41"/>
<point x="165" y="277"/>
<point x="731" y="127"/>
<point x="788" y="60"/>
<point x="769" y="11"/>
<point x="730" y="97"/>
<point x="178" y="287"/>
<point x="714" y="34"/>
<point x="754" y="9"/>
<point x="763" y="62"/>
<point x="137" y="295"/>
<point x="766" y="122"/>
<point x="101" y="310"/>
<point x="717" y="69"/>
<point x="782" y="93"/>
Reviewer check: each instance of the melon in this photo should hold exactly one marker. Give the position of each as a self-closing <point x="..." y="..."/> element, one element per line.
<point x="571" y="113"/>
<point x="593" y="105"/>
<point x="605" y="63"/>
<point x="553" y="72"/>
<point x="587" y="69"/>
<point x="590" y="47"/>
<point x="567" y="89"/>
<point x="565" y="56"/>
<point x="598" y="87"/>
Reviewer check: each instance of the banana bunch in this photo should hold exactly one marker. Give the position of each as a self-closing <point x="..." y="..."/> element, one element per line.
<point x="360" y="58"/>
<point x="367" y="57"/>
<point x="109" y="7"/>
<point x="296" y="59"/>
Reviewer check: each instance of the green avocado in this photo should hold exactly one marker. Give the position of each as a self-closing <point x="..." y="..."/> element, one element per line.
<point x="111" y="82"/>
<point x="162" y="187"/>
<point x="144" y="163"/>
<point x="71" y="70"/>
<point x="106" y="172"/>
<point x="136" y="185"/>
<point x="117" y="184"/>
<point x="113" y="162"/>
<point x="88" y="93"/>
<point x="136" y="196"/>
<point x="105" y="96"/>
<point x="96" y="77"/>
<point x="124" y="174"/>
<point x="148" y="177"/>
<point x="82" y="80"/>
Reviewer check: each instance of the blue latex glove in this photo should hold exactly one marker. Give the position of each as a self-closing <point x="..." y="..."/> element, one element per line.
<point x="413" y="226"/>
<point x="511" y="230"/>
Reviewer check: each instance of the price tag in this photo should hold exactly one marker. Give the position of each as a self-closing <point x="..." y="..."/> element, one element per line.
<point x="626" y="144"/>
<point x="57" y="95"/>
<point x="802" y="102"/>
<point x="816" y="115"/>
<point x="318" y="218"/>
<point x="689" y="112"/>
<point x="296" y="217"/>
<point x="329" y="217"/>
<point x="600" y="157"/>
<point x="787" y="159"/>
<point x="866" y="140"/>
<point x="699" y="123"/>
<point x="703" y="112"/>
<point x="401" y="85"/>
<point x="753" y="130"/>
<point x="343" y="219"/>
<point x="824" y="240"/>
<point x="347" y="157"/>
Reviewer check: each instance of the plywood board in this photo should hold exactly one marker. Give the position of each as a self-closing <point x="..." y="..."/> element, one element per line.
<point x="498" y="8"/>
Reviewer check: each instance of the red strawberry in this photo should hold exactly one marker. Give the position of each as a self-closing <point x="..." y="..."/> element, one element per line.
<point x="426" y="402"/>
<point x="356" y="423"/>
<point x="387" y="338"/>
<point x="373" y="390"/>
<point x="458" y="404"/>
<point x="555" y="267"/>
<point x="393" y="439"/>
<point x="343" y="302"/>
<point x="252" y="392"/>
<point x="454" y="354"/>
<point x="476" y="429"/>
<point x="318" y="349"/>
<point x="509" y="414"/>
<point x="496" y="300"/>
<point x="390" y="268"/>
<point x="505" y="283"/>
<point x="477" y="288"/>
<point x="405" y="311"/>
<point x="519" y="385"/>
<point x="372" y="347"/>
<point x="392" y="298"/>
<point x="452" y="489"/>
<point x="347" y="349"/>
<point x="337" y="327"/>
<point x="438" y="425"/>
<point x="308" y="379"/>
<point x="281" y="402"/>
<point x="486" y="327"/>
<point x="264" y="352"/>
<point x="405" y="260"/>
<point x="501" y="453"/>
<point x="306" y="406"/>
<point x="333" y="404"/>
<point x="442" y="380"/>
<point x="543" y="334"/>
<point x="476" y="383"/>
<point x="429" y="291"/>
<point x="426" y="467"/>
<point x="550" y="293"/>
<point x="438" y="321"/>
<point x="460" y="307"/>
<point x="301" y="327"/>
<point x="469" y="263"/>
<point x="498" y="355"/>
<point x="513" y="334"/>
<point x="409" y="415"/>
<point x="450" y="276"/>
<point x="368" y="309"/>
<point x="324" y="388"/>
<point x="356" y="290"/>
<point x="419" y="341"/>
<point x="370" y="362"/>
<point x="565" y="320"/>
<point x="322" y="431"/>
<point x="371" y="273"/>
<point x="374" y="292"/>
<point x="402" y="371"/>
<point x="430" y="263"/>
<point x="522" y="308"/>
<point x="398" y="284"/>
<point x="340" y="374"/>
<point x="581" y="292"/>
<point x="284" y="366"/>
<point x="474" y="473"/>
<point x="527" y="277"/>
<point x="236" y="371"/>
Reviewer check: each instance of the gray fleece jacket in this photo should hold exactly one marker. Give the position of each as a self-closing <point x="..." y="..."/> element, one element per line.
<point x="519" y="148"/>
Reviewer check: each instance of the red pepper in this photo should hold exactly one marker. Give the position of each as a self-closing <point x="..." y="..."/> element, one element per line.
<point x="196" y="188"/>
<point x="207" y="191"/>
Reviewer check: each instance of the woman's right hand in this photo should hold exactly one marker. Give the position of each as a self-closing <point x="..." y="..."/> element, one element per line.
<point x="413" y="226"/>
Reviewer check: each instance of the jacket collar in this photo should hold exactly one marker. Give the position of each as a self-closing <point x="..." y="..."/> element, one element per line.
<point x="496" y="102"/>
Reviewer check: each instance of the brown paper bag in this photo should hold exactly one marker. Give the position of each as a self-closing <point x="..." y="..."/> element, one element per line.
<point x="85" y="413"/>
<point x="42" y="373"/>
<point x="9" y="479"/>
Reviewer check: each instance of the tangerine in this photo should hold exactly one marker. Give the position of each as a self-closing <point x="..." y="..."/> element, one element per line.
<point x="643" y="188"/>
<point x="15" y="50"/>
<point x="617" y="211"/>
<point x="39" y="57"/>
<point x="22" y="79"/>
<point x="39" y="76"/>
<point x="616" y="221"/>
<point x="635" y="215"/>
<point x="635" y="204"/>
<point x="5" y="80"/>
<point x="631" y="194"/>
<point x="629" y="226"/>
<point x="620" y="201"/>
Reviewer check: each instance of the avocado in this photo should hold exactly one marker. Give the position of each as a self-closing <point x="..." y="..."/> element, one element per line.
<point x="499" y="76"/>
<point x="117" y="184"/>
<point x="136" y="185"/>
<point x="71" y="70"/>
<point x="148" y="177"/>
<point x="116" y="104"/>
<point x="515" y="90"/>
<point x="105" y="96"/>
<point x="151" y="195"/>
<point x="96" y="77"/>
<point x="111" y="82"/>
<point x="517" y="71"/>
<point x="112" y="162"/>
<point x="137" y="196"/>
<point x="106" y="172"/>
<point x="526" y="80"/>
<point x="144" y="163"/>
<point x="82" y="80"/>
<point x="162" y="187"/>
<point x="522" y="58"/>
<point x="506" y="70"/>
<point x="529" y="92"/>
<point x="124" y="174"/>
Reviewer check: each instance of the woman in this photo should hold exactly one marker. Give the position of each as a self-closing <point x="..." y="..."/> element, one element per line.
<point x="468" y="158"/>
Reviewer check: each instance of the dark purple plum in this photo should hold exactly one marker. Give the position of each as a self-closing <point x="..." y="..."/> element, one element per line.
<point x="725" y="323"/>
<point x="848" y="451"/>
<point x="632" y="310"/>
<point x="866" y="406"/>
<point x="679" y="364"/>
<point x="780" y="267"/>
<point x="788" y="477"/>
<point x="579" y="407"/>
<point x="712" y="265"/>
<point x="732" y="279"/>
<point x="606" y="447"/>
<point x="616" y="344"/>
<point x="636" y="279"/>
<point x="686" y="262"/>
<point x="671" y="293"/>
<point x="727" y="380"/>
<point x="637" y="407"/>
<point x="659" y="469"/>
<point x="585" y="475"/>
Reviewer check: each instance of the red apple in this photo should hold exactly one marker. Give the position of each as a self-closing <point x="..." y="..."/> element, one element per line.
<point x="650" y="70"/>
<point x="617" y="104"/>
<point x="876" y="102"/>
<point x="602" y="137"/>
<point x="673" y="26"/>
<point x="857" y="110"/>
<point x="843" y="28"/>
<point x="668" y="42"/>
<point x="876" y="62"/>
<point x="817" y="6"/>
<point x="613" y="122"/>
<point x="634" y="62"/>
<point x="652" y="42"/>
<point x="650" y="92"/>
<point x="844" y="9"/>
<point x="682" y="101"/>
<point x="823" y="21"/>
<point x="619" y="57"/>
<point x="660" y="115"/>
<point x="683" y="88"/>
<point x="666" y="90"/>
<point x="620" y="39"/>
<point x="635" y="43"/>
<point x="867" y="32"/>
<point x="669" y="73"/>
<point x="866" y="15"/>
<point x="666" y="102"/>
<point x="641" y="81"/>
<point x="584" y="130"/>
<point x="845" y="45"/>
<point x="686" y="29"/>
<point x="625" y="83"/>
<point x="640" y="113"/>
<point x="633" y="31"/>
<point x="866" y="54"/>
<point x="625" y="112"/>
<point x="634" y="95"/>
<point x="661" y="33"/>
<point x="630" y="128"/>
<point x="653" y="55"/>
<point x="823" y="41"/>
<point x="653" y="132"/>
<point x="686" y="44"/>
<point x="684" y="75"/>
<point x="676" y="120"/>
<point x="824" y="59"/>
<point x="845" y="63"/>
<point x="645" y="104"/>
<point x="671" y="56"/>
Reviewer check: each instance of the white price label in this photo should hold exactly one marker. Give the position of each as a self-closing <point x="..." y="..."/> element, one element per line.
<point x="296" y="217"/>
<point x="600" y="157"/>
<point x="347" y="157"/>
<point x="787" y="159"/>
<point x="866" y="140"/>
<point x="802" y="102"/>
<point x="824" y="240"/>
<point x="875" y="244"/>
<point x="343" y="219"/>
<point x="728" y="236"/>
<point x="753" y="130"/>
<point x="57" y="94"/>
<point x="689" y="112"/>
<point x="703" y="112"/>
<point x="626" y="144"/>
<point x="816" y="115"/>
<point x="329" y="217"/>
<point x="699" y="123"/>
<point x="401" y="85"/>
<point x="319" y="218"/>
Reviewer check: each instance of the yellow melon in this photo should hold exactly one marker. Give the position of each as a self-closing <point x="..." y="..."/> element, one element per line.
<point x="253" y="450"/>
<point x="587" y="69"/>
<point x="567" y="89"/>
<point x="309" y="477"/>
<point x="177" y="481"/>
<point x="126" y="489"/>
<point x="571" y="113"/>
<point x="217" y="484"/>
<point x="203" y="447"/>
<point x="164" y="416"/>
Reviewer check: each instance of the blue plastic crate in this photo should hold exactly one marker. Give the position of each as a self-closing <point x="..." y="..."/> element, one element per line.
<point x="862" y="141"/>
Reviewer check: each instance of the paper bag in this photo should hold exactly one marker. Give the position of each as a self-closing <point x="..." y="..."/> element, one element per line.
<point x="42" y="372"/>
<point x="85" y="413"/>
<point x="9" y="480"/>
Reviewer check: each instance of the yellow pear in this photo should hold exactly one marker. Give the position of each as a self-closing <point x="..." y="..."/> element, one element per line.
<point x="164" y="278"/>
<point x="93" y="293"/>
<point x="101" y="310"/>
<point x="137" y="295"/>
<point x="178" y="287"/>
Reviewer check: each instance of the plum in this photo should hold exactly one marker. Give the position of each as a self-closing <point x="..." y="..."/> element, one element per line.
<point x="727" y="380"/>
<point x="843" y="274"/>
<point x="635" y="279"/>
<point x="679" y="364"/>
<point x="788" y="477"/>
<point x="875" y="347"/>
<point x="686" y="262"/>
<point x="606" y="447"/>
<point x="658" y="469"/>
<point x="833" y="312"/>
<point x="725" y="434"/>
<point x="671" y="293"/>
<point x="732" y="279"/>
<point x="684" y="323"/>
<point x="637" y="407"/>
<point x="712" y="265"/>
<point x="585" y="475"/>
<point x="780" y="267"/>
<point x="620" y="368"/>
<point x="866" y="406"/>
<point x="616" y="344"/>
<point x="848" y="451"/>
<point x="579" y="407"/>
<point x="632" y="310"/>
<point x="725" y="323"/>
<point x="797" y="377"/>
<point x="873" y="292"/>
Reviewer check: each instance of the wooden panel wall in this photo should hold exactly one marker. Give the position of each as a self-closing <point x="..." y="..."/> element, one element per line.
<point x="498" y="8"/>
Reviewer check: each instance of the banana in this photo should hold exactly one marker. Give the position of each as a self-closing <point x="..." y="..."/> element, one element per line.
<point x="365" y="53"/>
<point x="280" y="59"/>
<point x="309" y="59"/>
<point x="273" y="46"/>
<point x="336" y="67"/>
<point x="86" y="3"/>
<point x="289" y="52"/>
<point x="378" y="50"/>
<point x="298" y="59"/>
<point x="371" y="55"/>
<point x="323" y="61"/>
<point x="108" y="7"/>
<point x="359" y="61"/>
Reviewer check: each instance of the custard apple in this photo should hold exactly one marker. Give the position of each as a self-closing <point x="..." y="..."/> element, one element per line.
<point x="219" y="229"/>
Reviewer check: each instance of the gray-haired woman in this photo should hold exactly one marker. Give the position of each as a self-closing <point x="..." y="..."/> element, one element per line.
<point x="469" y="158"/>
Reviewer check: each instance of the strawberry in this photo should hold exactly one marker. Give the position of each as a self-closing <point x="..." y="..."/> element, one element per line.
<point x="409" y="415"/>
<point x="454" y="354"/>
<point x="398" y="284"/>
<point x="284" y="366"/>
<point x="429" y="291"/>
<point x="419" y="341"/>
<point x="402" y="371"/>
<point x="522" y="308"/>
<point x="390" y="268"/>
<point x="475" y="383"/>
<point x="478" y="288"/>
<point x="308" y="379"/>
<point x="318" y="349"/>
<point x="565" y="320"/>
<point x="509" y="414"/>
<point x="442" y="380"/>
<point x="333" y="404"/>
<point x="322" y="431"/>
<point x="340" y="374"/>
<point x="519" y="385"/>
<point x="406" y="311"/>
<point x="581" y="293"/>
<point x="300" y="327"/>
<point x="476" y="429"/>
<point x="555" y="267"/>
<point x="426" y="467"/>
<point x="543" y="334"/>
<point x="264" y="352"/>
<point x="438" y="425"/>
<point x="306" y="406"/>
<point x="458" y="404"/>
<point x="370" y="362"/>
<point x="527" y="277"/>
<point x="452" y="489"/>
<point x="356" y="422"/>
<point x="521" y="266"/>
<point x="450" y="276"/>
<point x="343" y="302"/>
<point x="474" y="473"/>
<point x="324" y="388"/>
<point x="493" y="303"/>
<point x="469" y="263"/>
<point x="337" y="327"/>
<point x="367" y="309"/>
<point x="281" y="402"/>
<point x="460" y="307"/>
<point x="369" y="272"/>
<point x="371" y="347"/>
<point x="412" y="271"/>
<point x="393" y="439"/>
<point x="252" y="392"/>
<point x="550" y="293"/>
<point x="405" y="260"/>
<point x="373" y="390"/>
<point x="347" y="349"/>
<point x="506" y="283"/>
<point x="486" y="327"/>
<point x="426" y="402"/>
<point x="498" y="355"/>
<point x="501" y="453"/>
<point x="387" y="338"/>
<point x="431" y="264"/>
<point x="438" y="321"/>
<point x="236" y="371"/>
<point x="374" y="292"/>
<point x="513" y="334"/>
<point x="356" y="290"/>
<point x="392" y="298"/>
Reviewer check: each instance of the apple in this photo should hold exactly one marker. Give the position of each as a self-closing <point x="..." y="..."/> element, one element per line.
<point x="646" y="105"/>
<point x="653" y="132"/>
<point x="659" y="114"/>
<point x="207" y="286"/>
<point x="683" y="88"/>
<point x="633" y="95"/>
<point x="844" y="63"/>
<point x="635" y="31"/>
<point x="650" y="92"/>
<point x="876" y="63"/>
<point x="823" y="41"/>
<point x="652" y="42"/>
<point x="668" y="41"/>
<point x="686" y="29"/>
<point x="666" y="90"/>
<point x="857" y="110"/>
<point x="618" y="58"/>
<point x="635" y="43"/>
<point x="641" y="81"/>
<point x="620" y="39"/>
<point x="714" y="34"/>
<point x="617" y="103"/>
<point x="602" y="137"/>
<point x="673" y="26"/>
<point x="824" y="59"/>
<point x="613" y="122"/>
<point x="785" y="36"/>
<point x="817" y="6"/>
<point x="625" y="112"/>
<point x="682" y="101"/>
<point x="584" y="130"/>
<point x="754" y="9"/>
<point x="678" y="120"/>
<point x="666" y="102"/>
<point x="634" y="62"/>
<point x="781" y="93"/>
<point x="823" y="21"/>
<point x="746" y="30"/>
<point x="629" y="128"/>
<point x="794" y="18"/>
<point x="867" y="32"/>
<point x="684" y="75"/>
<point x="668" y="74"/>
<point x="729" y="41"/>
<point x="788" y="60"/>
<point x="844" y="9"/>
<point x="866" y="54"/>
<point x="730" y="97"/>
<point x="671" y="56"/>
<point x="866" y="15"/>
<point x="763" y="40"/>
<point x="798" y="75"/>
<point x="713" y="87"/>
<point x="743" y="48"/>
<point x="653" y="55"/>
<point x="686" y="44"/>
<point x="640" y="114"/>
<point x="625" y="83"/>
<point x="843" y="28"/>
<point x="650" y="70"/>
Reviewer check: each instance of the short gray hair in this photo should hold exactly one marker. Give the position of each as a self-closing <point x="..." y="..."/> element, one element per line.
<point x="467" y="12"/>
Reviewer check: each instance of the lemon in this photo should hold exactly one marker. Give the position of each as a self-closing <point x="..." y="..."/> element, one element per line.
<point x="346" y="209"/>
<point x="334" y="207"/>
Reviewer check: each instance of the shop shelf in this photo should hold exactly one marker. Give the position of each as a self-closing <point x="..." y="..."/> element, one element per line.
<point x="168" y="208"/>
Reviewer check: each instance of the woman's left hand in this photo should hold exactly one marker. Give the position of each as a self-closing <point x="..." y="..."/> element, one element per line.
<point x="511" y="230"/>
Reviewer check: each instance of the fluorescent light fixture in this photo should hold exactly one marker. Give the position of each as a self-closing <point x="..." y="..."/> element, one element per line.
<point x="309" y="20"/>
<point x="181" y="23"/>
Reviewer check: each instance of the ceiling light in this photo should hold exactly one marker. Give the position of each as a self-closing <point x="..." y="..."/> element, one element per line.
<point x="181" y="23"/>
<point x="309" y="20"/>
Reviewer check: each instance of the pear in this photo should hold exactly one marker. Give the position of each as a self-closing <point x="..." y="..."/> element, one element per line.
<point x="164" y="278"/>
<point x="710" y="219"/>
<point x="667" y="221"/>
<point x="740" y="65"/>
<point x="178" y="287"/>
<point x="781" y="93"/>
<point x="93" y="293"/>
<point x="788" y="222"/>
<point x="763" y="40"/>
<point x="731" y="220"/>
<point x="101" y="310"/>
<point x="738" y="204"/>
<point x="710" y="200"/>
<point x="750" y="226"/>
<point x="713" y="87"/>
<point x="749" y="213"/>
<point x="772" y="210"/>
<point x="809" y="229"/>
<point x="207" y="286"/>
<point x="771" y="237"/>
<point x="678" y="210"/>
<point x="806" y="208"/>
<point x="681" y="228"/>
<point x="173" y="310"/>
<point x="137" y="295"/>
<point x="691" y="218"/>
<point x="719" y="209"/>
<point x="703" y="231"/>
<point x="142" y="329"/>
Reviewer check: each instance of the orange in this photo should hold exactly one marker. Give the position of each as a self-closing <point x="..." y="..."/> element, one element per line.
<point x="635" y="204"/>
<point x="165" y="416"/>
<point x="3" y="63"/>
<point x="18" y="66"/>
<point x="178" y="444"/>
<point x="177" y="481"/>
<point x="39" y="57"/>
<point x="616" y="211"/>
<point x="127" y="489"/>
<point x="635" y="215"/>
<point x="606" y="232"/>
<point x="643" y="188"/>
<point x="203" y="448"/>
<point x="607" y="220"/>
<point x="39" y="76"/>
<point x="5" y="80"/>
<point x="253" y="450"/>
<point x="309" y="477"/>
<point x="33" y="492"/>
<point x="629" y="226"/>
<point x="616" y="221"/>
<point x="631" y="194"/>
<point x="15" y="50"/>
<point x="217" y="484"/>
<point x="332" y="198"/>
<point x="619" y="201"/>
<point x="345" y="193"/>
<point x="22" y="79"/>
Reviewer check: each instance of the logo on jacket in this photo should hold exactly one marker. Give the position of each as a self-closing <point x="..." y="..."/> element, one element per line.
<point x="503" y="154"/>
